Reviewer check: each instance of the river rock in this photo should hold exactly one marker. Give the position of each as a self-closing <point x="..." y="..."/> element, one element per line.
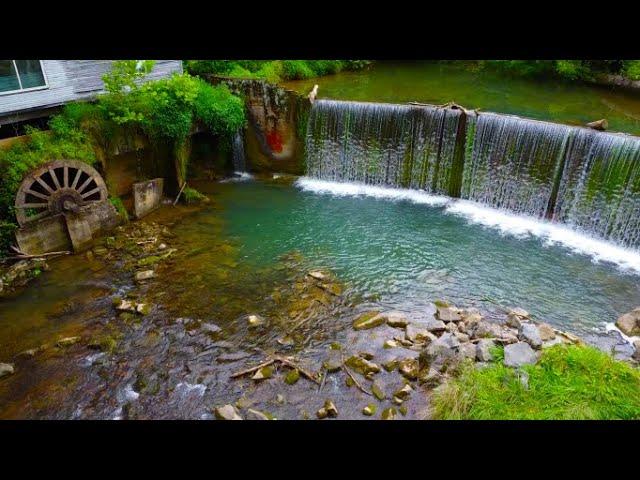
<point x="403" y="393"/>
<point x="370" y="409"/>
<point x="389" y="414"/>
<point x="210" y="328"/>
<point x="378" y="390"/>
<point x="292" y="377"/>
<point x="629" y="323"/>
<point x="390" y="344"/>
<point x="333" y="363"/>
<point x="318" y="275"/>
<point x="256" y="415"/>
<point x="518" y="354"/>
<point x="462" y="337"/>
<point x="436" y="326"/>
<point x="419" y="335"/>
<point x="126" y="306"/>
<point x="368" y="320"/>
<point x="6" y="369"/>
<point x="601" y="124"/>
<point x="396" y="319"/>
<point x="362" y="366"/>
<point x="144" y="275"/>
<point x="546" y="332"/>
<point x="431" y="377"/>
<point x="449" y="314"/>
<point x="529" y="333"/>
<point x="471" y="316"/>
<point x="263" y="373"/>
<point x="486" y="329"/>
<point x="67" y="341"/>
<point x="409" y="368"/>
<point x="331" y="409"/>
<point x="483" y="350"/>
<point x="227" y="412"/>
<point x="255" y="321"/>
<point x="636" y="354"/>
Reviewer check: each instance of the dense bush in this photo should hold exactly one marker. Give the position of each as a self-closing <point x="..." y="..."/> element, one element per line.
<point x="569" y="382"/>
<point x="585" y="70"/>
<point x="273" y="70"/>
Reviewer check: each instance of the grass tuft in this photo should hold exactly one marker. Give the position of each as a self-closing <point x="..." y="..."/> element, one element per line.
<point x="568" y="383"/>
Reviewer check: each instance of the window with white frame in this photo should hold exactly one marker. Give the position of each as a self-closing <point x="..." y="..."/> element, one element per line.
<point x="18" y="75"/>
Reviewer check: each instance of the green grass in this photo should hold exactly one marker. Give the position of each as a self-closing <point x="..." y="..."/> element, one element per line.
<point x="568" y="383"/>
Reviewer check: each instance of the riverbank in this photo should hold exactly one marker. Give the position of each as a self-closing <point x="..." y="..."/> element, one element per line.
<point x="167" y="318"/>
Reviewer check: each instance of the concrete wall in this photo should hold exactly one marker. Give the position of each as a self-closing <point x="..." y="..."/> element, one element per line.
<point x="147" y="196"/>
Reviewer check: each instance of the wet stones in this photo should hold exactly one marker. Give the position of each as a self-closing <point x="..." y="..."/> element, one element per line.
<point x="629" y="323"/>
<point x="256" y="415"/>
<point x="368" y="320"/>
<point x="378" y="390"/>
<point x="389" y="414"/>
<point x="6" y="369"/>
<point x="409" y="368"/>
<point x="519" y="354"/>
<point x="402" y="394"/>
<point x="227" y="412"/>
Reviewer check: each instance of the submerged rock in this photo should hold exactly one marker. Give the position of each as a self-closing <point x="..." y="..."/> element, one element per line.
<point x="389" y="414"/>
<point x="6" y="369"/>
<point x="518" y="354"/>
<point x="292" y="377"/>
<point x="378" y="390"/>
<point x="368" y="320"/>
<point x="629" y="323"/>
<point x="263" y="373"/>
<point x="328" y="410"/>
<point x="370" y="409"/>
<point x="227" y="412"/>
<point x="333" y="363"/>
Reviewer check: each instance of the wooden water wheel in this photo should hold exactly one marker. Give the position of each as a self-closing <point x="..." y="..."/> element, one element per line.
<point x="56" y="187"/>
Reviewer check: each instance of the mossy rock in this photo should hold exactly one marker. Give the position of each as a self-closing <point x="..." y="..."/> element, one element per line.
<point x="292" y="377"/>
<point x="370" y="410"/>
<point x="389" y="414"/>
<point x="368" y="320"/>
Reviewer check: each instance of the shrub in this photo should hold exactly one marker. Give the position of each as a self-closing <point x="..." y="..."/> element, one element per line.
<point x="569" y="382"/>
<point x="632" y="69"/>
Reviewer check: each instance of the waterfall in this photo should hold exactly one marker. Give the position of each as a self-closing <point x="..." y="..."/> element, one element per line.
<point x="239" y="159"/>
<point x="382" y="144"/>
<point x="586" y="179"/>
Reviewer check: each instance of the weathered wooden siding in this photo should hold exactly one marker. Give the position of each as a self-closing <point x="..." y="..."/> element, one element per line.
<point x="70" y="80"/>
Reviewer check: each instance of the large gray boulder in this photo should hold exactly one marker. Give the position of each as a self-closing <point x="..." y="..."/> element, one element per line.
<point x="530" y="334"/>
<point x="519" y="354"/>
<point x="629" y="323"/>
<point x="483" y="350"/>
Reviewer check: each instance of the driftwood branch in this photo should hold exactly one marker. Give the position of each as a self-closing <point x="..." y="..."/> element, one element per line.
<point x="24" y="256"/>
<point x="284" y="361"/>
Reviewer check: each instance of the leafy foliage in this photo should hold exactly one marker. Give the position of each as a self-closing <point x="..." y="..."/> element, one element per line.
<point x="273" y="70"/>
<point x="569" y="382"/>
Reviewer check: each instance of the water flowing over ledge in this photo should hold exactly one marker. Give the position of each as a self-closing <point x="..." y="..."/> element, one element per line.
<point x="507" y="223"/>
<point x="580" y="177"/>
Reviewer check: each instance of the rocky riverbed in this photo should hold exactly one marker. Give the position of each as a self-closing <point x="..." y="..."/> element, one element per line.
<point x="159" y="324"/>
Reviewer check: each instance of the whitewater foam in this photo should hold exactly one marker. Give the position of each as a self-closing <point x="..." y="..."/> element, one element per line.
<point x="238" y="177"/>
<point x="506" y="223"/>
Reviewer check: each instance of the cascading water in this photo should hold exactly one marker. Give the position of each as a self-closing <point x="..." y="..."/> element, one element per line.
<point x="382" y="144"/>
<point x="239" y="159"/>
<point x="586" y="179"/>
